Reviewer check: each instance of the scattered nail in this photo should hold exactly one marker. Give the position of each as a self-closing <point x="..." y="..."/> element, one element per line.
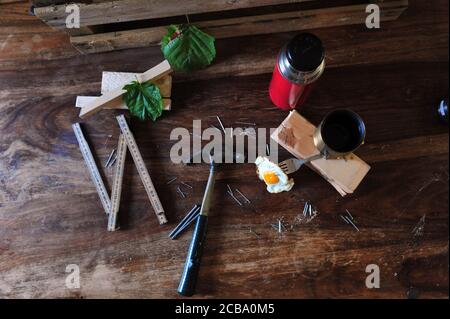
<point x="213" y="126"/>
<point x="354" y="226"/>
<point x="243" y="196"/>
<point x="181" y="192"/>
<point x="349" y="214"/>
<point x="254" y="233"/>
<point x="305" y="209"/>
<point x="110" y="157"/>
<point x="235" y="199"/>
<point x="172" y="180"/>
<point x="221" y="124"/>
<point x="344" y="219"/>
<point x="111" y="164"/>
<point x="186" y="184"/>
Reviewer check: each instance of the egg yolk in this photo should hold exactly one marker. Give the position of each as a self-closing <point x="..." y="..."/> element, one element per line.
<point x="271" y="178"/>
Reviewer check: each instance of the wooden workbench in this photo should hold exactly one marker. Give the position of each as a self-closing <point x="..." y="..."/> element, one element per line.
<point x="50" y="215"/>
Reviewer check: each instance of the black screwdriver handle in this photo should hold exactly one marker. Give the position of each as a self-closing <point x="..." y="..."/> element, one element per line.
<point x="189" y="277"/>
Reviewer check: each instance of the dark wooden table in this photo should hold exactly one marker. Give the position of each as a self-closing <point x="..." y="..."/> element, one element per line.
<point x="50" y="214"/>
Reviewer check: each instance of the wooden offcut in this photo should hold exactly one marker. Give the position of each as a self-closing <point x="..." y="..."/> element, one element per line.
<point x="114" y="80"/>
<point x="99" y="13"/>
<point x="296" y="135"/>
<point x="118" y="104"/>
<point x="112" y="97"/>
<point x="103" y="26"/>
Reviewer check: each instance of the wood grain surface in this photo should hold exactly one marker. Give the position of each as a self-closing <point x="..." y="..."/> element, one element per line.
<point x="50" y="215"/>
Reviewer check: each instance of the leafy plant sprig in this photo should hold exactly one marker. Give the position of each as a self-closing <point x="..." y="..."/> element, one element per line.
<point x="187" y="48"/>
<point x="144" y="100"/>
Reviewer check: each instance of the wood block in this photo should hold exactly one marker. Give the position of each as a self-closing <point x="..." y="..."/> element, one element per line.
<point x="110" y="98"/>
<point x="114" y="80"/>
<point x="296" y="135"/>
<point x="82" y="101"/>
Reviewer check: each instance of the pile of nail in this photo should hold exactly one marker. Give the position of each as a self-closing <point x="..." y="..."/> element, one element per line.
<point x="280" y="225"/>
<point x="179" y="190"/>
<point x="309" y="211"/>
<point x="233" y="196"/>
<point x="348" y="218"/>
<point x="112" y="158"/>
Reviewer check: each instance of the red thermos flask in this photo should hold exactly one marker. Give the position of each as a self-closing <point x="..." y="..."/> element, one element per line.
<point x="299" y="64"/>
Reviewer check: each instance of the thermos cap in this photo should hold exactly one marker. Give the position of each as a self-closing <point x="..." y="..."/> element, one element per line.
<point x="302" y="60"/>
<point x="305" y="52"/>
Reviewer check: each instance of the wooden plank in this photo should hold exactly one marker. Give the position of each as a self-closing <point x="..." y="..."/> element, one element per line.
<point x="47" y="202"/>
<point x="44" y="3"/>
<point x="242" y="26"/>
<point x="79" y="31"/>
<point x="295" y="135"/>
<point x="114" y="80"/>
<point x="132" y="10"/>
<point x="111" y="97"/>
<point x="9" y="1"/>
<point x="118" y="104"/>
<point x="116" y="191"/>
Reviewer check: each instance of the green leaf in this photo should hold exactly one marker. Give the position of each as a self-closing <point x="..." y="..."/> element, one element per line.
<point x="187" y="48"/>
<point x="144" y="100"/>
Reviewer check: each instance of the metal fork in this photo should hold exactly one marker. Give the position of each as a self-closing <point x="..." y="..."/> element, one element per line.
<point x="292" y="165"/>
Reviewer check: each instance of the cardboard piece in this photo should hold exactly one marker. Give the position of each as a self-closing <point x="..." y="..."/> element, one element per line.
<point x="295" y="134"/>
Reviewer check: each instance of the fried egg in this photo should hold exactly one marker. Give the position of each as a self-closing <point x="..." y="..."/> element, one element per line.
<point x="274" y="177"/>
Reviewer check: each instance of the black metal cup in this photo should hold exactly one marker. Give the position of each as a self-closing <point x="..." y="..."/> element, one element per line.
<point x="340" y="133"/>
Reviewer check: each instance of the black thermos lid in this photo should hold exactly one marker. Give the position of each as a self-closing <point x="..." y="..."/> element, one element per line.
<point x="305" y="52"/>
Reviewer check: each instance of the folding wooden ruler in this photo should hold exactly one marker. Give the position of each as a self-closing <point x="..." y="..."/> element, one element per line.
<point x="142" y="169"/>
<point x="117" y="183"/>
<point x="92" y="167"/>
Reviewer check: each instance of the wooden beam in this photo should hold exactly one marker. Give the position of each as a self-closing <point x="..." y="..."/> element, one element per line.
<point x="113" y="80"/>
<point x="133" y="10"/>
<point x="242" y="26"/>
<point x="83" y="101"/>
<point x="111" y="97"/>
